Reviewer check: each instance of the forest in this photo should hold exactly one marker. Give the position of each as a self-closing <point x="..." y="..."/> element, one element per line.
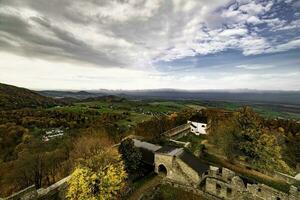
<point x="26" y="159"/>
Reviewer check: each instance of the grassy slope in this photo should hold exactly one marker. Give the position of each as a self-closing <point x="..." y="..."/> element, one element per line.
<point x="12" y="97"/>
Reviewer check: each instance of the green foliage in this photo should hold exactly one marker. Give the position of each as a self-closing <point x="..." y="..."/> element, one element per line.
<point x="131" y="156"/>
<point x="196" y="143"/>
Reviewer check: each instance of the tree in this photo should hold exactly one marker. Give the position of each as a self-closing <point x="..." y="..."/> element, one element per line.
<point x="269" y="154"/>
<point x="99" y="171"/>
<point x="131" y="155"/>
<point x="244" y="134"/>
<point x="97" y="180"/>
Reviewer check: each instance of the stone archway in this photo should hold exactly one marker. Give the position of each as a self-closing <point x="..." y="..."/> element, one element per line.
<point x="162" y="170"/>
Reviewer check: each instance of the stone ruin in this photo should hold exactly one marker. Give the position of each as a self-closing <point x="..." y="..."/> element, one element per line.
<point x="225" y="184"/>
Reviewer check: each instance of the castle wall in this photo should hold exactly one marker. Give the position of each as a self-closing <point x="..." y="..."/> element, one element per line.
<point x="25" y="194"/>
<point x="191" y="175"/>
<point x="226" y="185"/>
<point x="53" y="192"/>
<point x="176" y="170"/>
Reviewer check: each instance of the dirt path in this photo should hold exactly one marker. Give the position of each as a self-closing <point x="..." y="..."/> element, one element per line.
<point x="156" y="180"/>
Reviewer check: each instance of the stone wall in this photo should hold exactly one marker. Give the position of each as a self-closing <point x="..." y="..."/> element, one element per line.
<point x="224" y="184"/>
<point x="178" y="131"/>
<point x="53" y="192"/>
<point x="177" y="170"/>
<point x="187" y="188"/>
<point x="289" y="179"/>
<point x="25" y="194"/>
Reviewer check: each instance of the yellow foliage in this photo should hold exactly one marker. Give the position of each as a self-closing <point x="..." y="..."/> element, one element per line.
<point x="79" y="184"/>
<point x="270" y="153"/>
<point x="103" y="184"/>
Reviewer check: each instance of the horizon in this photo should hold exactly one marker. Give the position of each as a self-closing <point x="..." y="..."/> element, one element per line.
<point x="237" y="90"/>
<point x="150" y="45"/>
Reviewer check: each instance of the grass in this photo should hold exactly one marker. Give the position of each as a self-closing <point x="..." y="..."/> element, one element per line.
<point x="195" y="142"/>
<point x="133" y="119"/>
<point x="141" y="182"/>
<point x="167" y="107"/>
<point x="167" y="192"/>
<point x="143" y="186"/>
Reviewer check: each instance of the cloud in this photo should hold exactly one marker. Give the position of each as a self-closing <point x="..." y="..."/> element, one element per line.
<point x="138" y="34"/>
<point x="234" y="32"/>
<point x="255" y="67"/>
<point x="293" y="44"/>
<point x="106" y="33"/>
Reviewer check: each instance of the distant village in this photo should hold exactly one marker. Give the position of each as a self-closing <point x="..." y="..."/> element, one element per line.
<point x="52" y="134"/>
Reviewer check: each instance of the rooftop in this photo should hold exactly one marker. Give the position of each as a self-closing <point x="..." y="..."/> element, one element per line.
<point x="169" y="150"/>
<point x="146" y="145"/>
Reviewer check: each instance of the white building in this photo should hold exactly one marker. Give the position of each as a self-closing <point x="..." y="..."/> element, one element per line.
<point x="198" y="125"/>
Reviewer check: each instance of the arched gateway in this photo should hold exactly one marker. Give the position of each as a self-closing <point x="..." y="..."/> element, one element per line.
<point x="162" y="170"/>
<point x="174" y="163"/>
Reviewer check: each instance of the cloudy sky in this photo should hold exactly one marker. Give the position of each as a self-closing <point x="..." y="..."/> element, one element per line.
<point x="142" y="44"/>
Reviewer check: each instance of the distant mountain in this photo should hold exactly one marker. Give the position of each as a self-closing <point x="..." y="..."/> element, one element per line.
<point x="254" y="96"/>
<point x="69" y="94"/>
<point x="240" y="95"/>
<point x="12" y="97"/>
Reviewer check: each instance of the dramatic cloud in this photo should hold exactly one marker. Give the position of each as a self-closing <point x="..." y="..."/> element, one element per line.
<point x="145" y="36"/>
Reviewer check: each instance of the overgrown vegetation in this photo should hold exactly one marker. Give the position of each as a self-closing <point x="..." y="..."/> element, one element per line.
<point x="264" y="144"/>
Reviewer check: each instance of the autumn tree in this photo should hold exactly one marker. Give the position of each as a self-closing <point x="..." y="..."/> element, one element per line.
<point x="270" y="154"/>
<point x="102" y="176"/>
<point x="244" y="134"/>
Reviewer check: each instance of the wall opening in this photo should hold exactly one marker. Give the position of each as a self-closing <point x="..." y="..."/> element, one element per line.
<point x="219" y="172"/>
<point x="218" y="188"/>
<point x="162" y="170"/>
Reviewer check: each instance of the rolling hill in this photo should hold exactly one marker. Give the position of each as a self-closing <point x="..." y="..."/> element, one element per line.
<point x="12" y="97"/>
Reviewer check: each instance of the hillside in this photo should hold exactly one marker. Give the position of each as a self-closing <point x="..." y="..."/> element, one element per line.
<point x="12" y="97"/>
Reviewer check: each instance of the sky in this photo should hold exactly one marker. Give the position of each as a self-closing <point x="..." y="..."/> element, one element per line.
<point x="150" y="44"/>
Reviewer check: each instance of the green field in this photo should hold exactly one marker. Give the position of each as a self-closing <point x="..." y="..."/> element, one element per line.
<point x="139" y="111"/>
<point x="267" y="110"/>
